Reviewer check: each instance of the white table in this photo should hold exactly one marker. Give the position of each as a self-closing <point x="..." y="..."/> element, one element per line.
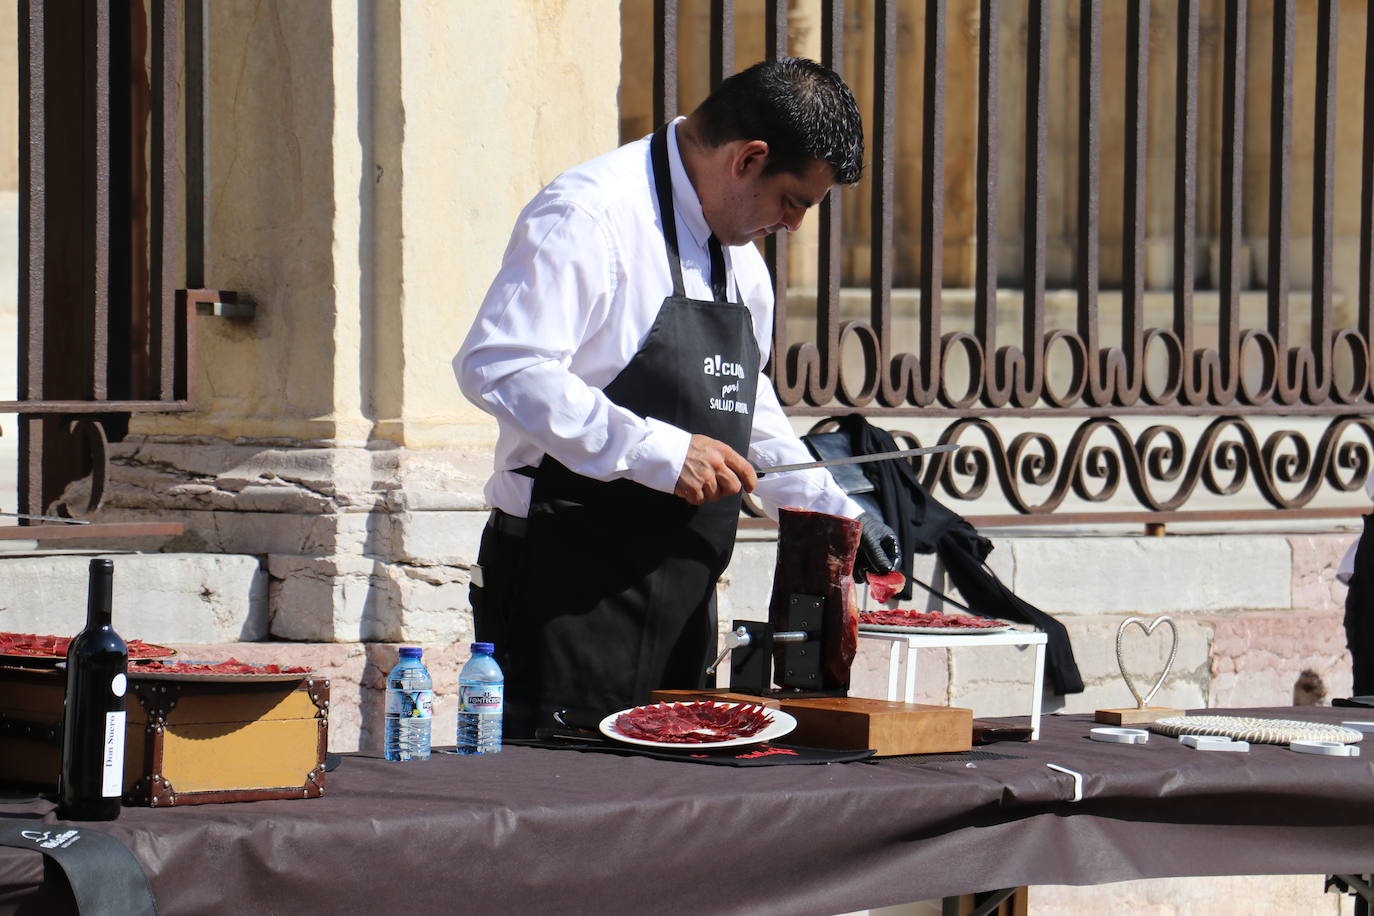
<point x="899" y="663"/>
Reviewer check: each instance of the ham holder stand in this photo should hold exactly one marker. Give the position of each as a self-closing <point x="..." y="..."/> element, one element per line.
<point x="806" y="648"/>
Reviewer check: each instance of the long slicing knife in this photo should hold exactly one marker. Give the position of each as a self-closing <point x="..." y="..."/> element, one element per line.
<point x="858" y="459"/>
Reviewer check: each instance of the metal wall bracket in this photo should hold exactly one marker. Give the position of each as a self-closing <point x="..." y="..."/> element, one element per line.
<point x="225" y="303"/>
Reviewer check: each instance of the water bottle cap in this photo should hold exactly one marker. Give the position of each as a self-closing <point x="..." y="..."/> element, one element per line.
<point x="485" y="648"/>
<point x="411" y="651"/>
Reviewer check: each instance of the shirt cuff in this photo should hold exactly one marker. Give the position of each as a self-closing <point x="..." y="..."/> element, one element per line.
<point x="656" y="462"/>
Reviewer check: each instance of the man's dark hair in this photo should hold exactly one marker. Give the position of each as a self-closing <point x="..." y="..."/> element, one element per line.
<point x="803" y="111"/>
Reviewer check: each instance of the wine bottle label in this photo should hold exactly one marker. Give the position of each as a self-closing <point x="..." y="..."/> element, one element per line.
<point x="119" y="684"/>
<point x="112" y="763"/>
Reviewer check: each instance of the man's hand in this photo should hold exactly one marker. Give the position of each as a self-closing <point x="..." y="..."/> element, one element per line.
<point x="878" y="549"/>
<point x="713" y="470"/>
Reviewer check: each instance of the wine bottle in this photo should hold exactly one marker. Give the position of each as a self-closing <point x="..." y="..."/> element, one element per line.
<point x="92" y="778"/>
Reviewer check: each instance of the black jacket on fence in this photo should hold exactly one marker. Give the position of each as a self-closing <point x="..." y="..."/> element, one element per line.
<point x="923" y="525"/>
<point x="1359" y="613"/>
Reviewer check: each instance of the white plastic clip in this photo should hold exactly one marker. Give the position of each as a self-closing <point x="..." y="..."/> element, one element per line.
<point x="1077" y="780"/>
<point x="1213" y="743"/>
<point x="1324" y="748"/>
<point x="1120" y="735"/>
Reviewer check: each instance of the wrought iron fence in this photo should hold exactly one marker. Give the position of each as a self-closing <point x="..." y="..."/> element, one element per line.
<point x="105" y="325"/>
<point x="1232" y="375"/>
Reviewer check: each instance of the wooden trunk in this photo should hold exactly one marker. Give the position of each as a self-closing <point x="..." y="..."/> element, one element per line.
<point x="186" y="742"/>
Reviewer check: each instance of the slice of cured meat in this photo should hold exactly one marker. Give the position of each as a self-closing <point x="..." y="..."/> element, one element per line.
<point x="816" y="557"/>
<point x="38" y="646"/>
<point x="881" y="587"/>
<point x="693" y="723"/>
<point x="232" y="666"/>
<point x="935" y="619"/>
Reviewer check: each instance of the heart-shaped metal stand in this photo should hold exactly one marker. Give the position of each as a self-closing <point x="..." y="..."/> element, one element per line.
<point x="1142" y="702"/>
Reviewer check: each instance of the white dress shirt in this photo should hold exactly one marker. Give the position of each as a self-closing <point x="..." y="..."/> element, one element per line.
<point x="582" y="280"/>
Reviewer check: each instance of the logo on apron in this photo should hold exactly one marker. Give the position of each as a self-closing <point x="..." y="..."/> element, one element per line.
<point x="719" y="367"/>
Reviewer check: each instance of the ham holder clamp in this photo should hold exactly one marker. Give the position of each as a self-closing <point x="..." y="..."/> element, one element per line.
<point x="752" y="644"/>
<point x="806" y="648"/>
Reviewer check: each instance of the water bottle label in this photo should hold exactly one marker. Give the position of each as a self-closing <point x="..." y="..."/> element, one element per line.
<point x="112" y="758"/>
<point x="481" y="697"/>
<point x="410" y="704"/>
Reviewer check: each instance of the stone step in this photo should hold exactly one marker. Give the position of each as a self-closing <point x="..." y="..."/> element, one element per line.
<point x="162" y="598"/>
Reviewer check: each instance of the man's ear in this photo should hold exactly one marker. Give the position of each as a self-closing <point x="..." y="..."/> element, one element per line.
<point x="750" y="156"/>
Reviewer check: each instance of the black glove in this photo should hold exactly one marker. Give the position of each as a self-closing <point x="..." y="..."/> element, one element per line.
<point x="878" y="549"/>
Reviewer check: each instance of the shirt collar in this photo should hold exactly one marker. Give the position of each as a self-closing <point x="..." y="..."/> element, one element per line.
<point x="685" y="199"/>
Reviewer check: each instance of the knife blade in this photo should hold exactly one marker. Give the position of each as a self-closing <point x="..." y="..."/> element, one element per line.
<point x="857" y="459"/>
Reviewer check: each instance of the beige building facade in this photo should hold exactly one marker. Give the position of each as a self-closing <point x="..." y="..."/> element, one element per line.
<point x="368" y="161"/>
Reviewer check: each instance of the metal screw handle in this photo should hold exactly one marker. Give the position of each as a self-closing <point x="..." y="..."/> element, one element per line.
<point x="733" y="640"/>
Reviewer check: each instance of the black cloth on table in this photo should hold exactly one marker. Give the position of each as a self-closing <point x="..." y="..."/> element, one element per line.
<point x="923" y="525"/>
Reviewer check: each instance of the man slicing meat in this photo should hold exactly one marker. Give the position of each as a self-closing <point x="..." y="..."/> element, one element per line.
<point x="620" y="350"/>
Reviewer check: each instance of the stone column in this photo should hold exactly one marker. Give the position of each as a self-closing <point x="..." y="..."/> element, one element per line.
<point x="369" y="162"/>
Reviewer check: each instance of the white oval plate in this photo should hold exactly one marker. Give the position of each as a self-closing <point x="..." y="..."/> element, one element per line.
<point x="782" y="724"/>
<point x="942" y="631"/>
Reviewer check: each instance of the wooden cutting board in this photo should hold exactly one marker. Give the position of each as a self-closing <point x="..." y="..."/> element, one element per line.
<point x="891" y="728"/>
<point x="716" y="695"/>
<point x="855" y="723"/>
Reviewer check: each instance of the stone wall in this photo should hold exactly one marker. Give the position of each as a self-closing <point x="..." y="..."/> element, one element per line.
<point x="1253" y="610"/>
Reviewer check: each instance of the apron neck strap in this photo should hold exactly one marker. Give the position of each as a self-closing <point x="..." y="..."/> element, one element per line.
<point x="663" y="184"/>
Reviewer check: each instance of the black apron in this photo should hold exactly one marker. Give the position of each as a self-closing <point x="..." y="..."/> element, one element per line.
<point x="613" y="593"/>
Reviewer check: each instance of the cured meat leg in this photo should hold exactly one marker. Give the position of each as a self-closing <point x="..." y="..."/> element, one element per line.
<point x="816" y="557"/>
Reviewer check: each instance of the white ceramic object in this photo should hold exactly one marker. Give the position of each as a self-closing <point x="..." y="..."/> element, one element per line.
<point x="1113" y="735"/>
<point x="1324" y="748"/>
<point x="1213" y="743"/>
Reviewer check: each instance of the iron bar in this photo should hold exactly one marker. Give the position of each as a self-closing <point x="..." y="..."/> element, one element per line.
<point x="932" y="204"/>
<point x="824" y="368"/>
<point x="1133" y="199"/>
<point x="32" y="229"/>
<point x="722" y="40"/>
<point x="881" y="180"/>
<point x="665" y="61"/>
<point x="32" y="215"/>
<point x="1182" y="381"/>
<point x="1140" y="409"/>
<point x="162" y="325"/>
<point x="1029" y="381"/>
<point x="1316" y="381"/>
<point x="985" y="227"/>
<point x="1280" y="182"/>
<point x="1365" y="317"/>
<point x="121" y="184"/>
<point x="96" y="188"/>
<point x="41" y="408"/>
<point x="1098" y="390"/>
<point x="1225" y="379"/>
<point x="774" y="246"/>
<point x="197" y="32"/>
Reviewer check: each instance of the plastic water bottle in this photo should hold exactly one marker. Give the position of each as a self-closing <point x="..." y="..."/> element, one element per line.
<point x="409" y="708"/>
<point x="481" y="694"/>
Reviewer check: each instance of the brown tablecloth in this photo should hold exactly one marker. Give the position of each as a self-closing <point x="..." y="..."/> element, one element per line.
<point x="531" y="830"/>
